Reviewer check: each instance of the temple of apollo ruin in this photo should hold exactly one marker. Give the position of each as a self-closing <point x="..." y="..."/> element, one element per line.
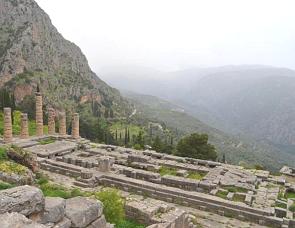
<point x="198" y="184"/>
<point x="52" y="116"/>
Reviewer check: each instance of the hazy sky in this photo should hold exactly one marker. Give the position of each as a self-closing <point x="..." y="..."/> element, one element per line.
<point x="178" y="34"/>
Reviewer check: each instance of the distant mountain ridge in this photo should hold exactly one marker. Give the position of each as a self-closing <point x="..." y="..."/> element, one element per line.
<point x="236" y="149"/>
<point x="33" y="52"/>
<point x="251" y="102"/>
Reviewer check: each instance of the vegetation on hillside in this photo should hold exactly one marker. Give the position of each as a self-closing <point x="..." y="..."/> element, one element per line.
<point x="196" y="146"/>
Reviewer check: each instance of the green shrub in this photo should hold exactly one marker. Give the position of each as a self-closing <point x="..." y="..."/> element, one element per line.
<point x="113" y="205"/>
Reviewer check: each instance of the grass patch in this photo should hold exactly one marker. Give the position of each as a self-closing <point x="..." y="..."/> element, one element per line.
<point x="4" y="185"/>
<point x="3" y="154"/>
<point x="289" y="195"/>
<point x="55" y="190"/>
<point x="129" y="224"/>
<point x="281" y="205"/>
<point x="164" y="170"/>
<point x="222" y="194"/>
<point x="196" y="175"/>
<point x="47" y="141"/>
<point x="238" y="198"/>
<point x="235" y="189"/>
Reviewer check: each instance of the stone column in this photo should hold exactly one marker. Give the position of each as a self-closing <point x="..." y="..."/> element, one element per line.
<point x="39" y="115"/>
<point x="62" y="124"/>
<point x="75" y="126"/>
<point x="51" y="121"/>
<point x="7" y="126"/>
<point x="24" y="134"/>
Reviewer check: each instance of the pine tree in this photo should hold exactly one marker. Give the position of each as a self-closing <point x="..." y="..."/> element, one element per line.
<point x="223" y="158"/>
<point x="125" y="137"/>
<point x="128" y="135"/>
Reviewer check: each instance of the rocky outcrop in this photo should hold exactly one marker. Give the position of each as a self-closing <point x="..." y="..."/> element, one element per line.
<point x="26" y="207"/>
<point x="25" y="200"/>
<point x="33" y="52"/>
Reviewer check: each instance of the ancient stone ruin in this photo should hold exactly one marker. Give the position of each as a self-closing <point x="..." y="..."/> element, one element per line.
<point x="158" y="199"/>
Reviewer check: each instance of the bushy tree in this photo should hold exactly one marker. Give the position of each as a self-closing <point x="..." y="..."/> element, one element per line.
<point x="196" y="146"/>
<point x="113" y="205"/>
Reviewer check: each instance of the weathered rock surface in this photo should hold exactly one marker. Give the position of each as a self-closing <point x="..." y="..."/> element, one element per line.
<point x="23" y="199"/>
<point x="82" y="211"/>
<point x="54" y="210"/>
<point x="65" y="223"/>
<point x="16" y="220"/>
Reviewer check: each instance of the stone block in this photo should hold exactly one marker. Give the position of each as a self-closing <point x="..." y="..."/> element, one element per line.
<point x="98" y="223"/>
<point x="64" y="223"/>
<point x="54" y="210"/>
<point x="83" y="211"/>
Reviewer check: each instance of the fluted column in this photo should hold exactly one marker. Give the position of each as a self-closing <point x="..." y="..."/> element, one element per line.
<point x="24" y="134"/>
<point x="75" y="126"/>
<point x="62" y="124"/>
<point x="51" y="121"/>
<point x="7" y="126"/>
<point x="39" y="115"/>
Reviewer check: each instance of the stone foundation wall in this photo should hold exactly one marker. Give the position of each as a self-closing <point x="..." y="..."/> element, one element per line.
<point x="191" y="199"/>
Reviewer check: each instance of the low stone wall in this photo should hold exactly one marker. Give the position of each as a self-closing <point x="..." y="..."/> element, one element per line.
<point x="25" y="206"/>
<point x="193" y="199"/>
<point x="65" y="169"/>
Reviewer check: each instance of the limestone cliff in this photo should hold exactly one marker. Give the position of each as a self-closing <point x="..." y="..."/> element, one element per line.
<point x="33" y="52"/>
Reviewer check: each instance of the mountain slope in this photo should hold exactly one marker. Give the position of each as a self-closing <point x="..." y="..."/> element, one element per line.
<point x="33" y="52"/>
<point x="235" y="148"/>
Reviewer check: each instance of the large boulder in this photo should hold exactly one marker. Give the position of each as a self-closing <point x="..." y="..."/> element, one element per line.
<point x="16" y="220"/>
<point x="54" y="210"/>
<point x="83" y="211"/>
<point x="23" y="199"/>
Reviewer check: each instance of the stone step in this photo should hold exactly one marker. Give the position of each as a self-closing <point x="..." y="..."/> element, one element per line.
<point x="82" y="184"/>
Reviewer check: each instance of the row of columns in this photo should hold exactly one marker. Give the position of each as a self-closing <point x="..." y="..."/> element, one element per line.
<point x="24" y="134"/>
